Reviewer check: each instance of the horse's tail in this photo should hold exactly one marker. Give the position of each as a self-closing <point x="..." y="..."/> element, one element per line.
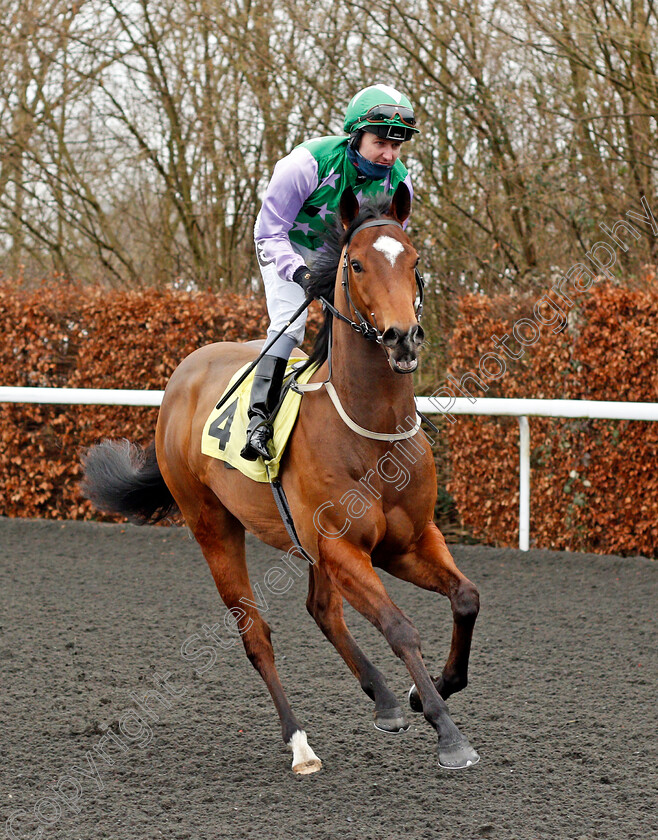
<point x="122" y="477"/>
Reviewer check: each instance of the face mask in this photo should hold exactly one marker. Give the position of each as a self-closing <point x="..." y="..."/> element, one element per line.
<point x="374" y="171"/>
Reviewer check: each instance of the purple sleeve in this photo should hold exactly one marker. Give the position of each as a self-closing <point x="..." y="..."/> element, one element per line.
<point x="294" y="179"/>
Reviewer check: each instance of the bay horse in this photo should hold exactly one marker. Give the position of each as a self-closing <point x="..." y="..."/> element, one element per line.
<point x="390" y="526"/>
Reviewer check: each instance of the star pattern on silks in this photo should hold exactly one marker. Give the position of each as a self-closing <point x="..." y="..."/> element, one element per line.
<point x="302" y="227"/>
<point x="330" y="180"/>
<point x="324" y="211"/>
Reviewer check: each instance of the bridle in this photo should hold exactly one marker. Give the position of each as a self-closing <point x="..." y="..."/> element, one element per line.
<point x="362" y="326"/>
<point x="371" y="333"/>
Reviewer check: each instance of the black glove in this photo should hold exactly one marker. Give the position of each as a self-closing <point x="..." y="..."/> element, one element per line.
<point x="303" y="277"/>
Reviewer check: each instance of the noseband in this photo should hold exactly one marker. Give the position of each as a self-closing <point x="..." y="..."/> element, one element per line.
<point x="361" y="325"/>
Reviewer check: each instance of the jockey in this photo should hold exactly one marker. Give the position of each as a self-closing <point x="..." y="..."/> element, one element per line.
<point x="302" y="195"/>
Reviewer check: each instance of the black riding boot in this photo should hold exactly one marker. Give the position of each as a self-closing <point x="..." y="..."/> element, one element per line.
<point x="265" y="393"/>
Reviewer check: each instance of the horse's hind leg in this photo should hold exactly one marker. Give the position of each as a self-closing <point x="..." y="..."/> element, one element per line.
<point x="351" y="569"/>
<point x="221" y="538"/>
<point x="325" y="604"/>
<point x="431" y="566"/>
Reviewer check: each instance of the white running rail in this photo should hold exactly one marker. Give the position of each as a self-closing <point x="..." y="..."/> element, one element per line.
<point x="589" y="409"/>
<point x="521" y="408"/>
<point x="80" y="396"/>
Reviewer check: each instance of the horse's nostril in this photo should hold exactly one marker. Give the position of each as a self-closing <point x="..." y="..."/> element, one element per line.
<point x="417" y="334"/>
<point x="391" y="336"/>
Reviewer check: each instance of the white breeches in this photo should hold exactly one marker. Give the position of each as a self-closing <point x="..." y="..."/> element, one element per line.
<point x="283" y="298"/>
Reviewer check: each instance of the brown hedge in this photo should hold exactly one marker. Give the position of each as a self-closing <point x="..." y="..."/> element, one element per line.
<point x="64" y="335"/>
<point x="594" y="484"/>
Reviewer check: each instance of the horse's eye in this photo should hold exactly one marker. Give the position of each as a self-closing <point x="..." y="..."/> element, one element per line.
<point x="357" y="268"/>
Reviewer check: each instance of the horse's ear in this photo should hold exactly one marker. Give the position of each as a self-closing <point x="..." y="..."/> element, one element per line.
<point x="349" y="207"/>
<point x="401" y="204"/>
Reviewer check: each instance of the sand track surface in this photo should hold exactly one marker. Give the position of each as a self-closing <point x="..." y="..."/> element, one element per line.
<point x="561" y="703"/>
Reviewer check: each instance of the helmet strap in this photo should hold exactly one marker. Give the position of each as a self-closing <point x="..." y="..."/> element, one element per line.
<point x="355" y="139"/>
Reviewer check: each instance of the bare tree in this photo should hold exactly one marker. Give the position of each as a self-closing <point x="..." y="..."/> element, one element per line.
<point x="137" y="136"/>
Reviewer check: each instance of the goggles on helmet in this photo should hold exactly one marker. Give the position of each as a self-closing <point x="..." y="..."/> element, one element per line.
<point x="383" y="113"/>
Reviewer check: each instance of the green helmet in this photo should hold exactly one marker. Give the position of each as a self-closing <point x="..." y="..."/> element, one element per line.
<point x="382" y="110"/>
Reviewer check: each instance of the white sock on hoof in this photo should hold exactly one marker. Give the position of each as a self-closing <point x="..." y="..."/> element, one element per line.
<point x="304" y="760"/>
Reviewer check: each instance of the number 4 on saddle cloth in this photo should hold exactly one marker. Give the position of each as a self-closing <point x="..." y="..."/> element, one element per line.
<point x="226" y="429"/>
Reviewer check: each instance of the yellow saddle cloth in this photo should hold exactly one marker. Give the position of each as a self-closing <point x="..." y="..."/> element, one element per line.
<point x="225" y="431"/>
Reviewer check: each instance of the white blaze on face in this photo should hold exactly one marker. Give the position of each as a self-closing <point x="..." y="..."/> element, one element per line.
<point x="389" y="247"/>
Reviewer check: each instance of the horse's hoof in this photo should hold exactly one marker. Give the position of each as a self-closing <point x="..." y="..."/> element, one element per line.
<point x="457" y="756"/>
<point x="414" y="700"/>
<point x="307" y="767"/>
<point x="391" y="720"/>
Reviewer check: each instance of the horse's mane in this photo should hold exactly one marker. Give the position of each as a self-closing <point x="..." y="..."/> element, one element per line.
<point x="325" y="267"/>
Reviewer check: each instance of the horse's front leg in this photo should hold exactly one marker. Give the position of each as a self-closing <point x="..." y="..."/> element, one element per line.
<point x="351" y="570"/>
<point x="430" y="566"/>
<point x="325" y="604"/>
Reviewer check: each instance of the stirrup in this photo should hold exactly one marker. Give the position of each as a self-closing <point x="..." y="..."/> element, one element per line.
<point x="256" y="445"/>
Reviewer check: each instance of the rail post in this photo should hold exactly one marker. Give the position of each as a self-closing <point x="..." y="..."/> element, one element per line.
<point x="524" y="483"/>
